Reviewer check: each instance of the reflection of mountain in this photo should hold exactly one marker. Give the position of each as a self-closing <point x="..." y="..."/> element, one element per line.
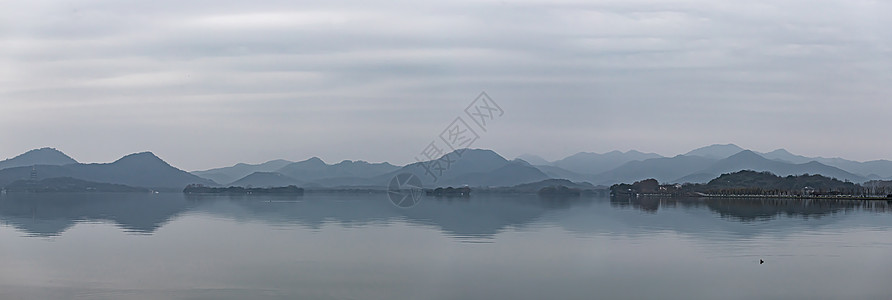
<point x="50" y="214"/>
<point x="481" y="216"/>
<point x="460" y="217"/>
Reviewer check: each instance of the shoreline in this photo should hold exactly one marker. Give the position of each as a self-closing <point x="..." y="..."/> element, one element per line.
<point x="792" y="197"/>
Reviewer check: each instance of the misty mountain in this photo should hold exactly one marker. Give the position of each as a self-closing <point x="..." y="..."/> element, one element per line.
<point x="42" y="156"/>
<point x="475" y="167"/>
<point x="536" y="186"/>
<point x="314" y="172"/>
<point x="513" y="173"/>
<point x="137" y="170"/>
<point x="266" y="179"/>
<point x="749" y="160"/>
<point x="594" y="163"/>
<point x="316" y="169"/>
<point x="534" y="160"/>
<point x="665" y="169"/>
<point x="874" y="168"/>
<point x="558" y="172"/>
<point x="784" y="155"/>
<point x="716" y="151"/>
<point x="233" y="173"/>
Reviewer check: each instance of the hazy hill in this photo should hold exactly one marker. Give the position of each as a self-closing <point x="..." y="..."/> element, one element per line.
<point x="877" y="168"/>
<point x="138" y="170"/>
<point x="42" y="156"/>
<point x="266" y="179"/>
<point x="314" y="172"/>
<point x="594" y="163"/>
<point x="749" y="160"/>
<point x="534" y="160"/>
<point x="767" y="181"/>
<point x="716" y="151"/>
<point x="784" y="155"/>
<point x="558" y="172"/>
<point x="536" y="186"/>
<point x="475" y="167"/>
<point x="666" y="169"/>
<point x="233" y="173"/>
<point x="513" y="173"/>
<point x="868" y="169"/>
<point x="316" y="169"/>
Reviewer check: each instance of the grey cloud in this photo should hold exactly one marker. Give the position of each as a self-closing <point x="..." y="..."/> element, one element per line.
<point x="585" y="75"/>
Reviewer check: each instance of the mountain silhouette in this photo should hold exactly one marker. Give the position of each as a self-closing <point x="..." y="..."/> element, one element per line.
<point x="233" y="173"/>
<point x="534" y="160"/>
<point x="315" y="169"/>
<point x="137" y="170"/>
<point x="716" y="151"/>
<point x="473" y="167"/>
<point x="877" y="169"/>
<point x="42" y="156"/>
<point x="513" y="173"/>
<point x="266" y="179"/>
<point x="749" y="160"/>
<point x="558" y="172"/>
<point x="594" y="163"/>
<point x="666" y="169"/>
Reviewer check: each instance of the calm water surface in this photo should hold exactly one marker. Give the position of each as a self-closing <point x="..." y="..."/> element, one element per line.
<point x="330" y="246"/>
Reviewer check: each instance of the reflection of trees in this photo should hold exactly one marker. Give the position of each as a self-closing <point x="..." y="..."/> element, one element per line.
<point x="646" y="204"/>
<point x="764" y="209"/>
<point x="754" y="209"/>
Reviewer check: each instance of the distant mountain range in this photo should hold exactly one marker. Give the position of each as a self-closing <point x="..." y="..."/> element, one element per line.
<point x="472" y="167"/>
<point x="136" y="170"/>
<point x="236" y="172"/>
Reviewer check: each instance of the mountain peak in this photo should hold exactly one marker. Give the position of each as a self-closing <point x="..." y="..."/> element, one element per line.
<point x="717" y="151"/>
<point x="469" y="153"/>
<point x="746" y="154"/>
<point x="780" y="151"/>
<point x="314" y="160"/>
<point x="534" y="159"/>
<point x="141" y="157"/>
<point x="42" y="156"/>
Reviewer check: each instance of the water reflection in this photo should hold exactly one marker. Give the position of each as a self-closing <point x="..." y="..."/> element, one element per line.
<point x="755" y="209"/>
<point x="482" y="217"/>
<point x="478" y="217"/>
<point x="50" y="214"/>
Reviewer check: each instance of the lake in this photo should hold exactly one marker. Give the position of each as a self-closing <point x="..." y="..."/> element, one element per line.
<point x="360" y="246"/>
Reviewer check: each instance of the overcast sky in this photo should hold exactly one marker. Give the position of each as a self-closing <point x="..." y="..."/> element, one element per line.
<point x="211" y="83"/>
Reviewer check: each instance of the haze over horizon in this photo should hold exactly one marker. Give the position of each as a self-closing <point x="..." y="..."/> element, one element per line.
<point x="211" y="84"/>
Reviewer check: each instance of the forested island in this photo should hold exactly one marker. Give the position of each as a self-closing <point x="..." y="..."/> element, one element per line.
<point x="758" y="184"/>
<point x="201" y="189"/>
<point x="449" y="192"/>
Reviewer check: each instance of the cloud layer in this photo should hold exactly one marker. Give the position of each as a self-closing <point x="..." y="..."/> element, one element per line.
<point x="209" y="83"/>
